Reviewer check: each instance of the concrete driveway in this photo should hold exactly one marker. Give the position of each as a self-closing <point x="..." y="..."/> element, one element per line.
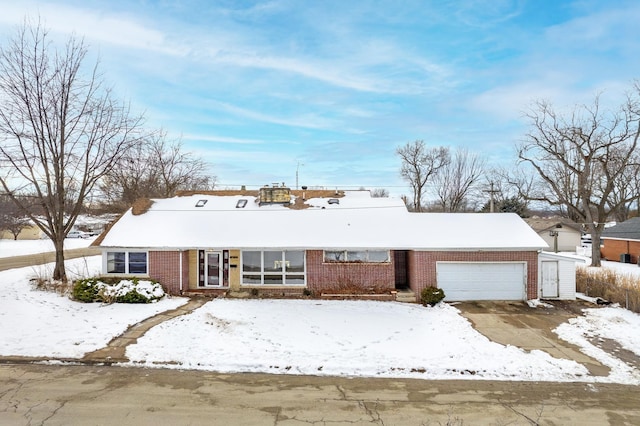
<point x="517" y="324"/>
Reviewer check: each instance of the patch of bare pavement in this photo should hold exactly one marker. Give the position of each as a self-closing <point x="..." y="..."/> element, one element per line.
<point x="98" y="395"/>
<point x="517" y="324"/>
<point x="41" y="258"/>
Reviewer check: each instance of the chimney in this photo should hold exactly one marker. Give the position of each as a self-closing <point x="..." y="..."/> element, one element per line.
<point x="275" y="195"/>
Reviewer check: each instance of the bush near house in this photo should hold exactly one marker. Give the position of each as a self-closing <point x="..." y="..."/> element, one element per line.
<point x="431" y="296"/>
<point x="609" y="285"/>
<point x="119" y="290"/>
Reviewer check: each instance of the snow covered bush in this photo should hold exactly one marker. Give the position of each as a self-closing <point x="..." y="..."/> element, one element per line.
<point x="431" y="296"/>
<point x="121" y="290"/>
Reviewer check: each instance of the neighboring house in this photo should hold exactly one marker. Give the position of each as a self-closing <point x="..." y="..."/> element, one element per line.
<point x="562" y="235"/>
<point x="278" y="241"/>
<point x="621" y="242"/>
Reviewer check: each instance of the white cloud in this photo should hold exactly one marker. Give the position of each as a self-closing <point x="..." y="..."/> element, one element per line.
<point x="92" y="25"/>
<point x="220" y="139"/>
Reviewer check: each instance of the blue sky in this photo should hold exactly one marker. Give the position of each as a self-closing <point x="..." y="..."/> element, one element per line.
<point x="333" y="87"/>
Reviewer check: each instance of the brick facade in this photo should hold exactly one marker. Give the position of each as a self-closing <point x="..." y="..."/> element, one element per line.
<point x="421" y="266"/>
<point x="323" y="276"/>
<point x="612" y="249"/>
<point x="164" y="267"/>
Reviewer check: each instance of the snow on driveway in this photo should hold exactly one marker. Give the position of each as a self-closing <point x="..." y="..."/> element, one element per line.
<point x="37" y="323"/>
<point x="345" y="338"/>
<point x="615" y="323"/>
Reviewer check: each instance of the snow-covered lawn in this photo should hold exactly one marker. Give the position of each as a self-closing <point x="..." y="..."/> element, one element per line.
<point x="10" y="248"/>
<point x="37" y="323"/>
<point x="614" y="323"/>
<point x="347" y="338"/>
<point x="629" y="269"/>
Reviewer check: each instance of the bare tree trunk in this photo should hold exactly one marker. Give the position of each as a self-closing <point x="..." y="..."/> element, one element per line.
<point x="59" y="271"/>
<point x="62" y="132"/>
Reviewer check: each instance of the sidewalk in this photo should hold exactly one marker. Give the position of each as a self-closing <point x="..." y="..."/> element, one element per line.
<point x="41" y="258"/>
<point x="115" y="350"/>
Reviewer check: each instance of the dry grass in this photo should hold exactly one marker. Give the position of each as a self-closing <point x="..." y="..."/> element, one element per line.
<point x="609" y="285"/>
<point x="141" y="206"/>
<point x="62" y="288"/>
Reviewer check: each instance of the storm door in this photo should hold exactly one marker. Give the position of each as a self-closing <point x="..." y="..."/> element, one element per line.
<point x="210" y="266"/>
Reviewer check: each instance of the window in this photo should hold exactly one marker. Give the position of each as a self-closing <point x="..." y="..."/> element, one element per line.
<point x="356" y="256"/>
<point x="122" y="262"/>
<point x="271" y="267"/>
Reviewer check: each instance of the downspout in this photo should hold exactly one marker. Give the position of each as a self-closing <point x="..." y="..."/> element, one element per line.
<point x="180" y="279"/>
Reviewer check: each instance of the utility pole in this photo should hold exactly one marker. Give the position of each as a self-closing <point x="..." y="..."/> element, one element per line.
<point x="297" y="169"/>
<point x="491" y="200"/>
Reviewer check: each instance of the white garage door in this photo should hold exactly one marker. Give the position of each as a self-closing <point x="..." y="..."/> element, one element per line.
<point x="482" y="281"/>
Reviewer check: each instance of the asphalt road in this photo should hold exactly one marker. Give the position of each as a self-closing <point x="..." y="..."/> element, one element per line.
<point x="41" y="258"/>
<point x="97" y="395"/>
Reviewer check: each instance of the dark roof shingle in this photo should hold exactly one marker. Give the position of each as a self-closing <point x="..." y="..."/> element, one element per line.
<point x="627" y="230"/>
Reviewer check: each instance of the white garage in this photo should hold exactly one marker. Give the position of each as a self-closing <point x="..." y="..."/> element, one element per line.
<point x="482" y="280"/>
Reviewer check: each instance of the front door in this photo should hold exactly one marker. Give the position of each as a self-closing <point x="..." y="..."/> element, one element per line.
<point x="210" y="270"/>
<point x="550" y="281"/>
<point x="213" y="267"/>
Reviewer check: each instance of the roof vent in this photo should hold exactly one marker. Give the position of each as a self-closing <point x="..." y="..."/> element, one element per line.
<point x="201" y="203"/>
<point x="241" y="203"/>
<point x="333" y="201"/>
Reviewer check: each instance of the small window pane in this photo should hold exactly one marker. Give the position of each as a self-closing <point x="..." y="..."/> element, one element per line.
<point x="251" y="261"/>
<point x="251" y="279"/>
<point x="137" y="263"/>
<point x="273" y="279"/>
<point x="334" y="256"/>
<point x="294" y="261"/>
<point x="116" y="262"/>
<point x="378" y="256"/>
<point x="356" y="256"/>
<point x="294" y="279"/>
<point x="273" y="261"/>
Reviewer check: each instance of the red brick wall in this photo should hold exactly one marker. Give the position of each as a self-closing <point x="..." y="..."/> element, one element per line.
<point x="164" y="266"/>
<point x="324" y="276"/>
<point x="612" y="249"/>
<point x="422" y="266"/>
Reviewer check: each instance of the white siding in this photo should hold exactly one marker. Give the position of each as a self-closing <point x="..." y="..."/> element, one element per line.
<point x="566" y="274"/>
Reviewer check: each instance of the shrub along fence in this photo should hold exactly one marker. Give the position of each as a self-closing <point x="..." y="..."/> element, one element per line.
<point x="609" y="285"/>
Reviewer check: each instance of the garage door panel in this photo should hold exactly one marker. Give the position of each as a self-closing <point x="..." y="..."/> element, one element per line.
<point x="481" y="281"/>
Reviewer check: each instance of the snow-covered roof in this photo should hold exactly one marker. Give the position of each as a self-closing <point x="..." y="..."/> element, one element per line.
<point x="354" y="222"/>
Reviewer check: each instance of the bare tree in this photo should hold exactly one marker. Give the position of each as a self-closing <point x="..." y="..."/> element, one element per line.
<point x="457" y="179"/>
<point x="156" y="168"/>
<point x="626" y="190"/>
<point x="380" y="193"/>
<point x="419" y="165"/>
<point x="61" y="131"/>
<point x="12" y="219"/>
<point x="511" y="187"/>
<point x="580" y="158"/>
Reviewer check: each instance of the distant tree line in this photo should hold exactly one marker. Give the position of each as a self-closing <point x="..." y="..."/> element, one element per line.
<point x="585" y="164"/>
